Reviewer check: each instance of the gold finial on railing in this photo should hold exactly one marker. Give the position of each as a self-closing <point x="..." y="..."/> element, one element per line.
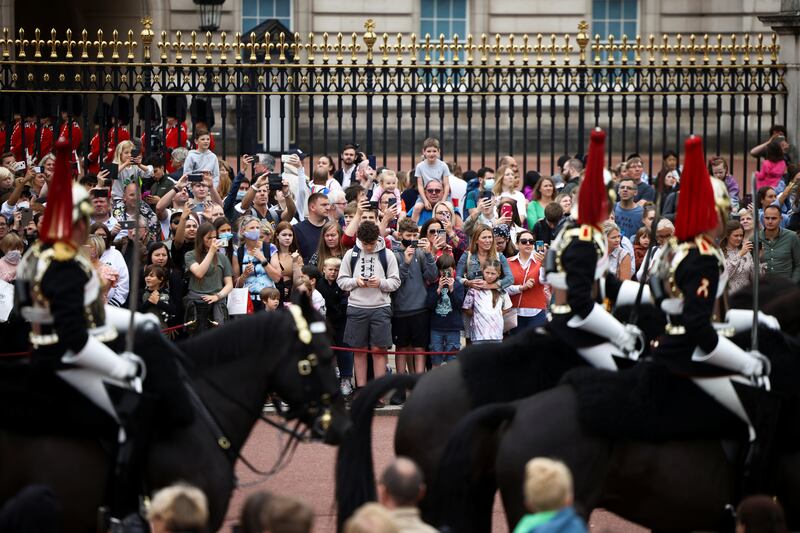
<point x="268" y="46"/>
<point x="297" y="46"/>
<point x="553" y="49"/>
<point x="665" y="48"/>
<point x="427" y="48"/>
<point x="237" y="47"/>
<point x="68" y="44"/>
<point x="760" y="49"/>
<point x="732" y="48"/>
<point x="774" y="48"/>
<point x="325" y="48"/>
<point x="414" y="48"/>
<point x="146" y="36"/>
<point x="115" y="44"/>
<point x="282" y="46"/>
<point x="692" y="49"/>
<point x="354" y="47"/>
<point x="442" y="47"/>
<point x="497" y="48"/>
<point x="37" y="43"/>
<point x="223" y="47"/>
<point x="193" y="46"/>
<point x="84" y="43"/>
<point x="511" y="50"/>
<point x="208" y="46"/>
<point x="624" y="48"/>
<point x="369" y="38"/>
<point x="253" y="46"/>
<point x="311" y="48"/>
<point x="526" y="48"/>
<point x="538" y="49"/>
<point x="567" y="49"/>
<point x="719" y="49"/>
<point x="163" y="45"/>
<point x="746" y="49"/>
<point x="53" y="43"/>
<point x="131" y="45"/>
<point x="678" y="49"/>
<point x="484" y="48"/>
<point x="398" y="49"/>
<point x="100" y="44"/>
<point x="610" y="48"/>
<point x="339" y="48"/>
<point x="385" y="47"/>
<point x="7" y="43"/>
<point x="705" y="49"/>
<point x="597" y="46"/>
<point x="21" y="43"/>
<point x="583" y="40"/>
<point x="638" y="50"/>
<point x="178" y="46"/>
<point x="651" y="49"/>
<point x="470" y="49"/>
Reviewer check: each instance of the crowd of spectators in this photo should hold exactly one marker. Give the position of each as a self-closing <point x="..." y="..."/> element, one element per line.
<point x="419" y="260"/>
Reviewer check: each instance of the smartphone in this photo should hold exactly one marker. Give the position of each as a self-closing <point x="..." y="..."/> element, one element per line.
<point x="196" y="177"/>
<point x="487" y="195"/>
<point x="373" y="205"/>
<point x="275" y="182"/>
<point x="27" y="216"/>
<point x="441" y="232"/>
<point x="414" y="244"/>
<point x="127" y="224"/>
<point x="112" y="168"/>
<point x="373" y="162"/>
<point x="145" y="194"/>
<point x="136" y="152"/>
<point x="391" y="201"/>
<point x="99" y="193"/>
<point x="19" y="165"/>
<point x="539" y="246"/>
<point x="747" y="199"/>
<point x="222" y="243"/>
<point x="38" y="170"/>
<point x="199" y="208"/>
<point x="286" y="158"/>
<point x="506" y="210"/>
<point x="479" y="275"/>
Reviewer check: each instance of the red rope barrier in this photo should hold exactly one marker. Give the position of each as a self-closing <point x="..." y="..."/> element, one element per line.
<point x="396" y="352"/>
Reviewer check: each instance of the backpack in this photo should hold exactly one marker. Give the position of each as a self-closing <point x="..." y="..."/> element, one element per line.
<point x="265" y="249"/>
<point x="381" y="257"/>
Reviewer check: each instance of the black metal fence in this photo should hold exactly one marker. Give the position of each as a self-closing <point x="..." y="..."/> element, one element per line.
<point x="534" y="97"/>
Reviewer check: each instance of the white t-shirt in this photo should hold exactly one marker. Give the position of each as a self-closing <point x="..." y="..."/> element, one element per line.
<point x="429" y="173"/>
<point x="113" y="258"/>
<point x="458" y="190"/>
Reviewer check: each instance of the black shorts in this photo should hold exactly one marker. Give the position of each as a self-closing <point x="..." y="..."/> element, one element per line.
<point x="411" y="330"/>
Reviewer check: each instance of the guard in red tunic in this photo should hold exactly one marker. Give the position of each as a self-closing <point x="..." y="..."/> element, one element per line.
<point x="48" y="111"/>
<point x="71" y="109"/>
<point x="176" y="133"/>
<point x="202" y="114"/>
<point x="23" y="136"/>
<point x="120" y="118"/>
<point x="102" y="123"/>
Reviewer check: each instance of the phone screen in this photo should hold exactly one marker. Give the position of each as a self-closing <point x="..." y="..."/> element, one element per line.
<point x="195" y="177"/>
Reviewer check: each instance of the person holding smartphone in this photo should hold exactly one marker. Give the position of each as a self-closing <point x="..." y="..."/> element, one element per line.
<point x="210" y="280"/>
<point x="129" y="169"/>
<point x="202" y="159"/>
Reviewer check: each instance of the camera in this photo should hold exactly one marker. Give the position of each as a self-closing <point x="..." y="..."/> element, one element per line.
<point x="127" y="224"/>
<point x="196" y="177"/>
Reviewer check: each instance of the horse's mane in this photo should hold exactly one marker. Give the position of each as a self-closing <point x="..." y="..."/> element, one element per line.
<point x="259" y="333"/>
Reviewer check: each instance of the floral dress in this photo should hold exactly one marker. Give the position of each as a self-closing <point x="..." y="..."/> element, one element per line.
<point x="739" y="269"/>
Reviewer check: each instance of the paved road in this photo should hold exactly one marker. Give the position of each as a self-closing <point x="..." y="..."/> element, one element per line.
<point x="310" y="476"/>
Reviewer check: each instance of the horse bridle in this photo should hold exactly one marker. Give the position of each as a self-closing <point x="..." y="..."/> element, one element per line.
<point x="307" y="369"/>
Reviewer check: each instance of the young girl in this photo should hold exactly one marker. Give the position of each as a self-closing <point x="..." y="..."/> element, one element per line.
<point x="486" y="307"/>
<point x="129" y="169"/>
<point x="444" y="300"/>
<point x="506" y="187"/>
<point x="155" y="299"/>
<point x="640" y="245"/>
<point x="772" y="168"/>
<point x="387" y="182"/>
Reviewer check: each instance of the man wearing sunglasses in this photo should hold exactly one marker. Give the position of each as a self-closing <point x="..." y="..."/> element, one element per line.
<point x="627" y="213"/>
<point x="433" y="193"/>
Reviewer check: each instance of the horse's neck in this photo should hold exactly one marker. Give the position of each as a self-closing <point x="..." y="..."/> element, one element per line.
<point x="234" y="395"/>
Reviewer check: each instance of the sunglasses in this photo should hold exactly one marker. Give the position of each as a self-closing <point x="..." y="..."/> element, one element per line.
<point x="435" y="191"/>
<point x="527" y="241"/>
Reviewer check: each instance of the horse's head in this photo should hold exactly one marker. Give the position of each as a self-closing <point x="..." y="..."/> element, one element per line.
<point x="308" y="382"/>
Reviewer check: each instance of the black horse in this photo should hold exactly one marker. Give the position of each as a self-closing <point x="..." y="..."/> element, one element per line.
<point x="233" y="369"/>
<point x="520" y="367"/>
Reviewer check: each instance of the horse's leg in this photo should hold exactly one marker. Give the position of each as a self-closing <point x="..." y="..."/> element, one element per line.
<point x="424" y="426"/>
<point x="546" y="425"/>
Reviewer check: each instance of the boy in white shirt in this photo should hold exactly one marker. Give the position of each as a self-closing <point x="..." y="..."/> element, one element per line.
<point x="431" y="169"/>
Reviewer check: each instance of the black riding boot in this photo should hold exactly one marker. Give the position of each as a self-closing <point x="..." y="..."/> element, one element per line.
<point x="763" y="409"/>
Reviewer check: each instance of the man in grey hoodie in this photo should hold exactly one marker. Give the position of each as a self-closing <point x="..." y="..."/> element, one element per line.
<point x="411" y="323"/>
<point x="369" y="307"/>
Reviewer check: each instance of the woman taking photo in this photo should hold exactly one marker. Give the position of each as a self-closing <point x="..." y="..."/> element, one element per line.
<point x="506" y="187"/>
<point x="158" y="254"/>
<point x="185" y="235"/>
<point x="746" y="221"/>
<point x="330" y="245"/>
<point x="619" y="260"/>
<point x="437" y="240"/>
<point x="289" y="259"/>
<point x="224" y="233"/>
<point x="443" y="212"/>
<point x="544" y="192"/>
<point x="255" y="263"/>
<point x="738" y="257"/>
<point x="527" y="293"/>
<point x="503" y="242"/>
<point x="210" y="277"/>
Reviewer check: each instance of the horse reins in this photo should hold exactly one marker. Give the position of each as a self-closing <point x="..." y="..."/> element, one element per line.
<point x="306" y="368"/>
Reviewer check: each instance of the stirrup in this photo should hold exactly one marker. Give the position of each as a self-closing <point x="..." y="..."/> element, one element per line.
<point x="761" y="382"/>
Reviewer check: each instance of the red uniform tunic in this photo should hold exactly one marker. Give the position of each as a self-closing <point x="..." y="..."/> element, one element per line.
<point x="45" y="140"/>
<point x="19" y="150"/>
<point x="76" y="134"/>
<point x="94" y="154"/>
<point x="115" y="136"/>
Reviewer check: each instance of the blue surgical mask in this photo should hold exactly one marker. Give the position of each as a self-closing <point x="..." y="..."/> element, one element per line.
<point x="488" y="184"/>
<point x="240" y="195"/>
<point x="253" y="235"/>
<point x="225" y="236"/>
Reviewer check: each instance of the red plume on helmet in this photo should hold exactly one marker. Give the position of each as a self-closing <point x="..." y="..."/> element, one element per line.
<point x="592" y="195"/>
<point x="697" y="211"/>
<point x="57" y="222"/>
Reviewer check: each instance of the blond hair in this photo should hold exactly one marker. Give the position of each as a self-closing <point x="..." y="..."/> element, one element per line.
<point x="370" y="518"/>
<point x="387" y="173"/>
<point x="548" y="485"/>
<point x="180" y="507"/>
<point x="121" y="147"/>
<point x="332" y="262"/>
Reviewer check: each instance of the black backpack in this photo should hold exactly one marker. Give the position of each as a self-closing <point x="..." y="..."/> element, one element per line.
<point x="265" y="249"/>
<point x="381" y="257"/>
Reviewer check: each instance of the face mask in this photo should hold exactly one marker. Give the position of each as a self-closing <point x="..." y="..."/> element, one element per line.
<point x="488" y="184"/>
<point x="225" y="236"/>
<point x="253" y="235"/>
<point x="13" y="257"/>
<point x="240" y="195"/>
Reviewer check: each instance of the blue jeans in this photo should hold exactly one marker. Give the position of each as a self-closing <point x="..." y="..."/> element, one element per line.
<point x="527" y="322"/>
<point x="444" y="341"/>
